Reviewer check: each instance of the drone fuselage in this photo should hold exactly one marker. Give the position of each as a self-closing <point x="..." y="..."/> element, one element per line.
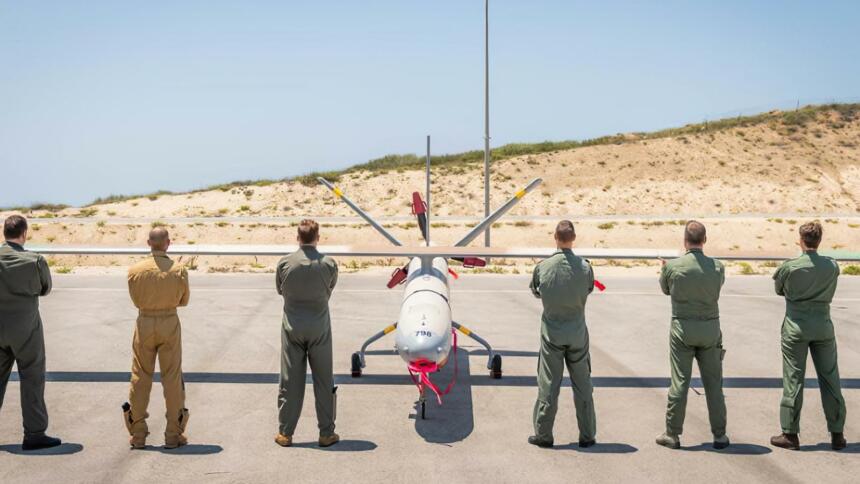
<point x="423" y="333"/>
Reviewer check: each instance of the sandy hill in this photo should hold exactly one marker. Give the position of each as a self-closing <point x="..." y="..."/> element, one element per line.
<point x="805" y="161"/>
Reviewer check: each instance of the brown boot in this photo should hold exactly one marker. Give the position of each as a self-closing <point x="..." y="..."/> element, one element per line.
<point x="172" y="441"/>
<point x="284" y="440"/>
<point x="329" y="440"/>
<point x="837" y="441"/>
<point x="138" y="440"/>
<point x="786" y="441"/>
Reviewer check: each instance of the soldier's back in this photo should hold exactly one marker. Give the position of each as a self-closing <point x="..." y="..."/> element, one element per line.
<point x="156" y="283"/>
<point x="305" y="280"/>
<point x="808" y="283"/>
<point x="565" y="281"/>
<point x="695" y="281"/>
<point x="810" y="278"/>
<point x="20" y="280"/>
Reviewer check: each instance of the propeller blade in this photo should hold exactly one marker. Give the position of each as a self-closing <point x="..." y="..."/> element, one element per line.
<point x="419" y="209"/>
<point x="398" y="276"/>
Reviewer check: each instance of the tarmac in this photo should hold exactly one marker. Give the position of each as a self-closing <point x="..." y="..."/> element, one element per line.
<point x="231" y="354"/>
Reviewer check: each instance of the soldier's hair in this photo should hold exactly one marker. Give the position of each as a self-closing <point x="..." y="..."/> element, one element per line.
<point x="14" y="226"/>
<point x="811" y="233"/>
<point x="695" y="233"/>
<point x="308" y="231"/>
<point x="564" y="231"/>
<point x="158" y="238"/>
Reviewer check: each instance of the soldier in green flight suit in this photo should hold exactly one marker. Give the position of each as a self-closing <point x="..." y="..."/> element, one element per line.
<point x="563" y="283"/>
<point x="24" y="277"/>
<point x="694" y="281"/>
<point x="808" y="283"/>
<point x="306" y="280"/>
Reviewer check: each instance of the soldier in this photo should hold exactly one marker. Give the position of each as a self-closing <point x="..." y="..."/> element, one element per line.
<point x="694" y="281"/>
<point x="808" y="283"/>
<point x="306" y="280"/>
<point x="24" y="277"/>
<point x="157" y="287"/>
<point x="563" y="283"/>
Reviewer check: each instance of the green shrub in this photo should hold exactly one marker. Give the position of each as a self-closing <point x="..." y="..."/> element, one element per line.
<point x="747" y="269"/>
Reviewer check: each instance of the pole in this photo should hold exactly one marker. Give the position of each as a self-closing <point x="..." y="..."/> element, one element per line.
<point x="487" y="117"/>
<point x="427" y="222"/>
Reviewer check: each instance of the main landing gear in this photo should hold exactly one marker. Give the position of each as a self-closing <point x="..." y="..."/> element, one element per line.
<point x="494" y="362"/>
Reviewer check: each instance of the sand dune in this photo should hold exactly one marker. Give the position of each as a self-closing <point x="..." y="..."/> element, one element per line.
<point x="773" y="166"/>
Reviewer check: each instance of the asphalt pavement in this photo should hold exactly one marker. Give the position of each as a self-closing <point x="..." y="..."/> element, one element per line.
<point x="231" y="352"/>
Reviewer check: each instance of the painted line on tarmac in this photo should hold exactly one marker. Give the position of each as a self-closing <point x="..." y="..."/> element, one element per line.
<point x="403" y="379"/>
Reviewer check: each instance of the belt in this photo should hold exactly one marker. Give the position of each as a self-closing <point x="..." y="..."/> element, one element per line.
<point x="157" y="312"/>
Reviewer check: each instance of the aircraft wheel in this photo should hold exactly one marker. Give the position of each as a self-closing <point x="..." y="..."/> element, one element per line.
<point x="496" y="367"/>
<point x="356" y="365"/>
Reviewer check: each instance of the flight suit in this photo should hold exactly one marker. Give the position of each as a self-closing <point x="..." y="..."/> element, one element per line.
<point x="563" y="283"/>
<point x="157" y="287"/>
<point x="694" y="281"/>
<point x="24" y="277"/>
<point x="306" y="280"/>
<point x="808" y="284"/>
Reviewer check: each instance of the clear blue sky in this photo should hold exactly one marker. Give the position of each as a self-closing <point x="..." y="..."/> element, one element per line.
<point x="100" y="97"/>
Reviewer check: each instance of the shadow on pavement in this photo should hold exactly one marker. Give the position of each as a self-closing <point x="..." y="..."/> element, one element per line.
<point x="401" y="379"/>
<point x="453" y="421"/>
<point x="342" y="446"/>
<point x="514" y="353"/>
<point x="852" y="448"/>
<point x="63" y="449"/>
<point x="189" y="449"/>
<point x="600" y="448"/>
<point x="733" y="449"/>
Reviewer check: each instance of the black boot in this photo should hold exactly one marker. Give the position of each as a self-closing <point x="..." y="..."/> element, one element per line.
<point x="786" y="441"/>
<point x="534" y="440"/>
<point x="40" y="442"/>
<point x="583" y="444"/>
<point x="837" y="441"/>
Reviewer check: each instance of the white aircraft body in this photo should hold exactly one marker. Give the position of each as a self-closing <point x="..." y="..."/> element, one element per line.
<point x="424" y="331"/>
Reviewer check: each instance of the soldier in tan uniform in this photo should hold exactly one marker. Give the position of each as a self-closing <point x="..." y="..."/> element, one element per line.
<point x="24" y="277"/>
<point x="157" y="287"/>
